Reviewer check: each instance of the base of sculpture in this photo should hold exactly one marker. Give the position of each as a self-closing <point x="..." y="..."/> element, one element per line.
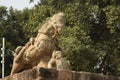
<point x="53" y="74"/>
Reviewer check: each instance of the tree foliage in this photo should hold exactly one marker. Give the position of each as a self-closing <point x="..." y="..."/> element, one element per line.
<point x="91" y="39"/>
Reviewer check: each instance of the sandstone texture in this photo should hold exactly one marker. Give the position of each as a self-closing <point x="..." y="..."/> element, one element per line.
<point x="53" y="74"/>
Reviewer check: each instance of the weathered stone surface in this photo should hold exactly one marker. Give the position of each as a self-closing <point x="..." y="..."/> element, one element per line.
<point x="53" y="74"/>
<point x="58" y="61"/>
<point x="48" y="74"/>
<point x="38" y="50"/>
<point x="31" y="74"/>
<point x="65" y="75"/>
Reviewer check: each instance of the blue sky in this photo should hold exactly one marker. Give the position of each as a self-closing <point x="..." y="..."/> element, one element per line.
<point x="17" y="4"/>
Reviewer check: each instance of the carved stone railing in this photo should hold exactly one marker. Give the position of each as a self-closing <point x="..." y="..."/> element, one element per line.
<point x="52" y="74"/>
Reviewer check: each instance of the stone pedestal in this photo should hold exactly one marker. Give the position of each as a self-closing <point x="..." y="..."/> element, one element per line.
<point x="52" y="74"/>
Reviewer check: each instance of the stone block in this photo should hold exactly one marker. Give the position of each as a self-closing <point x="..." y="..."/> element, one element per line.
<point x="65" y="75"/>
<point x="53" y="74"/>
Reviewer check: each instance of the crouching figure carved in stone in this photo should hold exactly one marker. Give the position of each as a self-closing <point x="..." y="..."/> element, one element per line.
<point x="58" y="61"/>
<point x="37" y="51"/>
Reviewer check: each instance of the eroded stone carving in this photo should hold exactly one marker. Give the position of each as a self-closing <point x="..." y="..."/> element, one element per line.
<point x="37" y="51"/>
<point x="58" y="61"/>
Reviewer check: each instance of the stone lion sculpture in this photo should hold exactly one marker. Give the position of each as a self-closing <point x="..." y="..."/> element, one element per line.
<point x="58" y="61"/>
<point x="37" y="51"/>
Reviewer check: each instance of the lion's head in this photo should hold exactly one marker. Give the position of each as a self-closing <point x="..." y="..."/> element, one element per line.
<point x="54" y="26"/>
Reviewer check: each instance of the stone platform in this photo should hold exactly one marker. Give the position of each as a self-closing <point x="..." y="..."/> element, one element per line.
<point x="52" y="74"/>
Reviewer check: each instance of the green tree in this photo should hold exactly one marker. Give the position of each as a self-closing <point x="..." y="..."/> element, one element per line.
<point x="91" y="39"/>
<point x="3" y="14"/>
<point x="92" y="28"/>
<point x="11" y="27"/>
